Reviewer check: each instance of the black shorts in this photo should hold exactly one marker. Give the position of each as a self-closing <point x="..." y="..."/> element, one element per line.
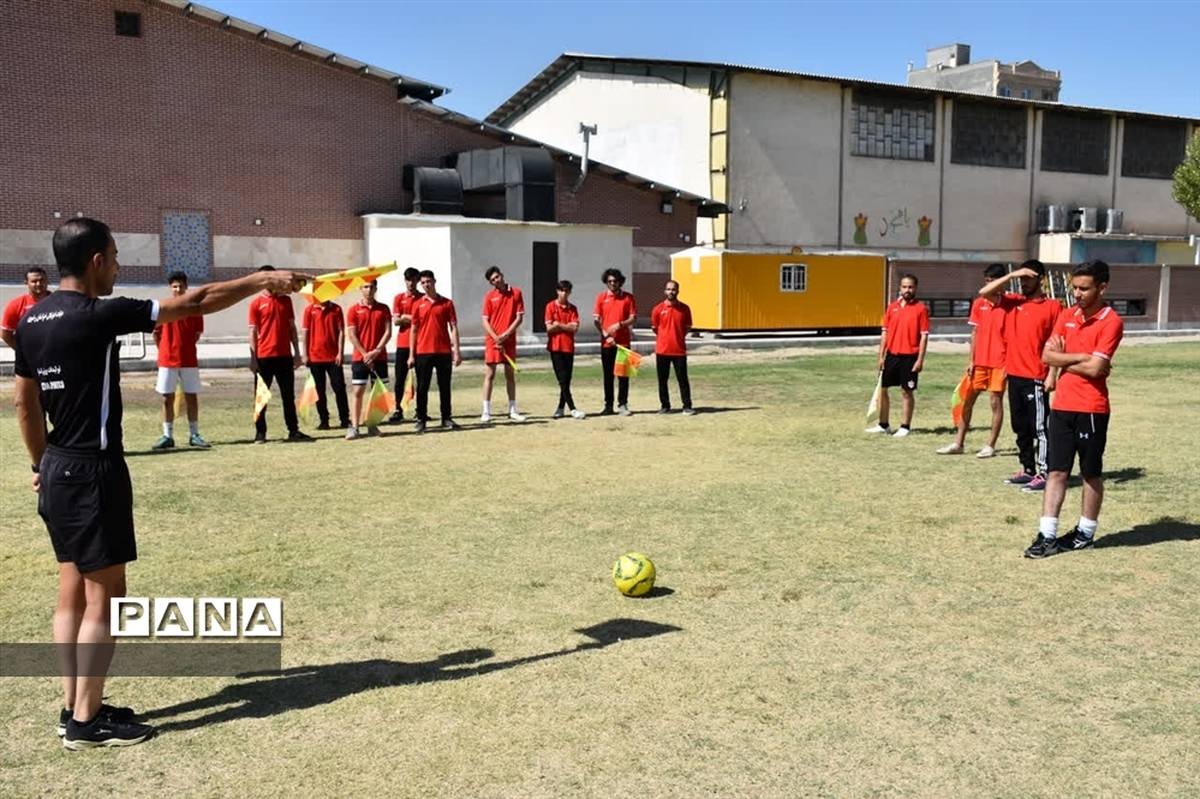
<point x="86" y="500"/>
<point x="360" y="373"/>
<point x="898" y="371"/>
<point x="1083" y="433"/>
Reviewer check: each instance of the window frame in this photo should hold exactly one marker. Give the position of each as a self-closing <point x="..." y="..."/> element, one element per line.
<point x="792" y="270"/>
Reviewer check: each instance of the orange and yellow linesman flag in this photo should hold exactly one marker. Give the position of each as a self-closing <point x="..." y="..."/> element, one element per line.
<point x="627" y="362"/>
<point x="511" y="362"/>
<point x="262" y="395"/>
<point x="873" y="405"/>
<point x="180" y="402"/>
<point x="961" y="391"/>
<point x="380" y="403"/>
<point x="307" y="399"/>
<point x="410" y="389"/>
<point x="334" y="284"/>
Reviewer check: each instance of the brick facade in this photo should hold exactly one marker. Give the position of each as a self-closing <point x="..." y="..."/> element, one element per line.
<point x="193" y="116"/>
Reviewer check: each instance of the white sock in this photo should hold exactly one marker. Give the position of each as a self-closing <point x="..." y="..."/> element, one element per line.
<point x="194" y="427"/>
<point x="512" y="406"/>
<point x="487" y="407"/>
<point x="1048" y="526"/>
<point x="169" y="429"/>
<point x="1087" y="527"/>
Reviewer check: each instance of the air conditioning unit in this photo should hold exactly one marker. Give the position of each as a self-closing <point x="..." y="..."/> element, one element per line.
<point x="1084" y="220"/>
<point x="1114" y="220"/>
<point x="1051" y="218"/>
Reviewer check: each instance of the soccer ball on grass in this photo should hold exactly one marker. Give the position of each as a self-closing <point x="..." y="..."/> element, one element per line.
<point x="633" y="574"/>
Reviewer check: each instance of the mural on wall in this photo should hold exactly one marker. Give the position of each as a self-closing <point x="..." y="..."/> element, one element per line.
<point x="923" y="225"/>
<point x="860" y="228"/>
<point x="892" y="223"/>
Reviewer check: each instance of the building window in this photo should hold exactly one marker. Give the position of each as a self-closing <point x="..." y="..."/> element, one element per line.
<point x="793" y="277"/>
<point x="128" y="23"/>
<point x="949" y="309"/>
<point x="988" y="135"/>
<point x="892" y="126"/>
<point x="1026" y="94"/>
<point x="1129" y="307"/>
<point x="1152" y="148"/>
<point x="1004" y="91"/>
<point x="1047" y="94"/>
<point x="1075" y="142"/>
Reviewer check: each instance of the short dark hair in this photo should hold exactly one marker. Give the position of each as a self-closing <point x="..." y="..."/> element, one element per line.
<point x="994" y="271"/>
<point x="427" y="273"/>
<point x="266" y="268"/>
<point x="177" y="277"/>
<point x="491" y="270"/>
<point x="669" y="282"/>
<point x="75" y="243"/>
<point x="1035" y="265"/>
<point x="1097" y="270"/>
<point x="34" y="270"/>
<point x="412" y="274"/>
<point x="564" y="285"/>
<point x="910" y="276"/>
<point x="611" y="273"/>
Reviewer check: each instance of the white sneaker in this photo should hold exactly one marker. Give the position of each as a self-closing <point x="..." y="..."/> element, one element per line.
<point x="352" y="434"/>
<point x="516" y="416"/>
<point x="949" y="449"/>
<point x="623" y="410"/>
<point x="901" y="433"/>
<point x="578" y="414"/>
<point x="486" y="418"/>
<point x="986" y="452"/>
<point x="878" y="429"/>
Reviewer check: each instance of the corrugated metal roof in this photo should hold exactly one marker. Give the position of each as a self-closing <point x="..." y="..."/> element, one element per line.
<point x="567" y="62"/>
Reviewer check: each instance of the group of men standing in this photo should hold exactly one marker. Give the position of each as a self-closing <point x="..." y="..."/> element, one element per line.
<point x="1038" y="350"/>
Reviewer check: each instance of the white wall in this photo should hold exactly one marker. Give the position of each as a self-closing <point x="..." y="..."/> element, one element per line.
<point x="33" y="247"/>
<point x="647" y="126"/>
<point x="325" y="255"/>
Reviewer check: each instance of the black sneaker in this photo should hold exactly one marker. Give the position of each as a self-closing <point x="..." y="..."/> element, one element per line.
<point x="664" y="409"/>
<point x="420" y="426"/>
<point x="323" y="425"/>
<point x="296" y="435"/>
<point x="1074" y="541"/>
<point x="122" y="715"/>
<point x="104" y="731"/>
<point x="1042" y="547"/>
<point x="260" y="438"/>
<point x="450" y="424"/>
<point x="396" y="417"/>
<point x="608" y="411"/>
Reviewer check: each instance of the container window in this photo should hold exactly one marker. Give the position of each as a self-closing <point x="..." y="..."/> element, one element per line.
<point x="793" y="277"/>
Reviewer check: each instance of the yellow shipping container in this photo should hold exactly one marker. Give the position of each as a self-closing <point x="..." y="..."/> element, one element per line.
<point x="739" y="290"/>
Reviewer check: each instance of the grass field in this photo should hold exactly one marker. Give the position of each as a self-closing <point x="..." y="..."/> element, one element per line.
<point x="842" y="615"/>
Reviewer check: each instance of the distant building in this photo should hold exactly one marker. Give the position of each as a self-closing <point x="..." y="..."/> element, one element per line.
<point x="950" y="67"/>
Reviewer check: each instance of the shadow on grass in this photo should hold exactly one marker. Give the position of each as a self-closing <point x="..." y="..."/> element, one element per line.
<point x="139" y="453"/>
<point x="272" y="693"/>
<point x="1157" y="532"/>
<point x="707" y="409"/>
<point x="657" y="591"/>
<point x="1126" y="475"/>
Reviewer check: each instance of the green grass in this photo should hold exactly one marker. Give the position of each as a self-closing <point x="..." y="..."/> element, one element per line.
<point x="854" y="615"/>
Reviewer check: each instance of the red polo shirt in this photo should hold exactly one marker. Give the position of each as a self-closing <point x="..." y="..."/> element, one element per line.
<point x="613" y="308"/>
<point x="431" y="318"/>
<point x="403" y="303"/>
<point x="177" y="342"/>
<point x="988" y="320"/>
<point x="370" y="323"/>
<point x="274" y="317"/>
<point x="903" y="325"/>
<point x="15" y="309"/>
<point x="1099" y="335"/>
<point x="1027" y="325"/>
<point x="500" y="308"/>
<point x="323" y="323"/>
<point x="671" y="324"/>
<point x="560" y="340"/>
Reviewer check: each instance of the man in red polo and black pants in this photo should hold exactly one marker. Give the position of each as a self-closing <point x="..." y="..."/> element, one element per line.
<point x="402" y="313"/>
<point x="272" y="342"/>
<point x="1079" y="354"/>
<point x="614" y="315"/>
<point x="324" y="341"/>
<point x="671" y="321"/>
<point x="902" y="353"/>
<point x="435" y="345"/>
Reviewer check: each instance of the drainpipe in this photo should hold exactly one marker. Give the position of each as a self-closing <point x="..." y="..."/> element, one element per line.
<point x="588" y="132"/>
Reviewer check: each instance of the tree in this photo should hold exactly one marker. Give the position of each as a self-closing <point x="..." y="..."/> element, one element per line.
<point x="1186" y="190"/>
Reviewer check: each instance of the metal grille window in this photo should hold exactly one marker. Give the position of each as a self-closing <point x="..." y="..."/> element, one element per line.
<point x="1152" y="148"/>
<point x="1129" y="307"/>
<point x="988" y="135"/>
<point x="1075" y="142"/>
<point x="793" y="277"/>
<point x="949" y="309"/>
<point x="892" y="126"/>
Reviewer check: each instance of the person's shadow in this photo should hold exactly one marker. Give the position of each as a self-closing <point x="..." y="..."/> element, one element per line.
<point x="1157" y="532"/>
<point x="271" y="693"/>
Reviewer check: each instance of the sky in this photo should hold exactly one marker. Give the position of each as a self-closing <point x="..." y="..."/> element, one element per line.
<point x="1137" y="56"/>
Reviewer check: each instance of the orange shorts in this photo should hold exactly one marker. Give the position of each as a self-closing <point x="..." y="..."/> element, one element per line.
<point x="987" y="378"/>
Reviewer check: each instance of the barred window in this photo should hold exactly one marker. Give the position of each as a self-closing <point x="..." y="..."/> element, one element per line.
<point x="949" y="309"/>
<point x="793" y="277"/>
<point x="988" y="135"/>
<point x="1152" y="148"/>
<point x="1074" y="142"/>
<point x="892" y="126"/>
<point x="1129" y="307"/>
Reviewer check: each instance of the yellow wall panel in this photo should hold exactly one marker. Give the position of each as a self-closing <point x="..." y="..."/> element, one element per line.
<point x="699" y="278"/>
<point x="842" y="291"/>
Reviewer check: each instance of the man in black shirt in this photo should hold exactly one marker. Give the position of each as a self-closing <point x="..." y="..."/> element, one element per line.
<point x="67" y="366"/>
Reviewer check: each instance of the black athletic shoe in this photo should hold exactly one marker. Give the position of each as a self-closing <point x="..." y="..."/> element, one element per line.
<point x="608" y="411"/>
<point x="396" y="418"/>
<point x="104" y="731"/>
<point x="1042" y="547"/>
<point x="1074" y="541"/>
<point x="323" y="425"/>
<point x="123" y="715"/>
<point x="420" y="426"/>
<point x="259" y="438"/>
<point x="296" y="435"/>
<point x="450" y="424"/>
<point x="664" y="409"/>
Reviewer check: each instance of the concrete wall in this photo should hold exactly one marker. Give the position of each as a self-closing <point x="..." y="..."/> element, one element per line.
<point x="978" y="78"/>
<point x="649" y="126"/>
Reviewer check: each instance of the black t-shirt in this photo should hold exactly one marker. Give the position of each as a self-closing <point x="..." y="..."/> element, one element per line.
<point x="67" y="344"/>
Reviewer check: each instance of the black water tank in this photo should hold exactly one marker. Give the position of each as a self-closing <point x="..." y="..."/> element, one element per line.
<point x="436" y="191"/>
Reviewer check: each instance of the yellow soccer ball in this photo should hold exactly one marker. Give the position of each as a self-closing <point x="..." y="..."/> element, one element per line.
<point x="633" y="574"/>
